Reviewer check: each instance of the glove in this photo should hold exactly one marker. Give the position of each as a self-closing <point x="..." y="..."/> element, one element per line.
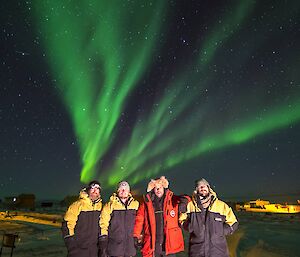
<point x="70" y="242"/>
<point x="137" y="243"/>
<point x="102" y="243"/>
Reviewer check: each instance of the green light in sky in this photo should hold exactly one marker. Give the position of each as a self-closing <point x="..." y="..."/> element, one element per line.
<point x="98" y="53"/>
<point x="235" y="134"/>
<point x="223" y="30"/>
<point x="144" y="146"/>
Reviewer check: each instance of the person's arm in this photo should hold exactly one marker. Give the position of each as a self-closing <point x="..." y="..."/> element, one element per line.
<point x="184" y="219"/>
<point x="105" y="219"/>
<point x="68" y="225"/>
<point x="70" y="220"/>
<point x="183" y="202"/>
<point x="139" y="221"/>
<point x="231" y="223"/>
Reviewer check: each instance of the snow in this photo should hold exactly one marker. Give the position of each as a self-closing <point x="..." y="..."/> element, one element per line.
<point x="259" y="235"/>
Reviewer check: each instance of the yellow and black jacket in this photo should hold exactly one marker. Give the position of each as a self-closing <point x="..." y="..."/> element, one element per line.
<point x="208" y="227"/>
<point x="80" y="226"/>
<point x="117" y="221"/>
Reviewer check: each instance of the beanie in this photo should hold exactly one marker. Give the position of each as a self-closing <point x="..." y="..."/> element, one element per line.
<point x="93" y="184"/>
<point x="201" y="181"/>
<point x="123" y="184"/>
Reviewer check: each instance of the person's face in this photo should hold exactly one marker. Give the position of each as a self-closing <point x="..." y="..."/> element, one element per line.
<point x="123" y="192"/>
<point x="159" y="190"/>
<point x="203" y="190"/>
<point x="94" y="193"/>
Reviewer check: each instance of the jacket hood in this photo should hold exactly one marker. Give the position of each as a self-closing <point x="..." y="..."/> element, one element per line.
<point x="83" y="195"/>
<point x="211" y="191"/>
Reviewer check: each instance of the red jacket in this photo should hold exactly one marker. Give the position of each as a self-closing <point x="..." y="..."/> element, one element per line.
<point x="145" y="221"/>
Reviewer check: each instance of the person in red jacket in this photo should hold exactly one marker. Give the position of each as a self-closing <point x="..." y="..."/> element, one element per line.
<point x="157" y="218"/>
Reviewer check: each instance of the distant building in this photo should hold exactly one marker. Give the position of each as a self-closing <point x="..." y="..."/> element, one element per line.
<point x="23" y="201"/>
<point x="68" y="200"/>
<point x="26" y="201"/>
<point x="267" y="207"/>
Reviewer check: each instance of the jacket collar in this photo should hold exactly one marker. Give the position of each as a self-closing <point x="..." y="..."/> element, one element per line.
<point x="114" y="198"/>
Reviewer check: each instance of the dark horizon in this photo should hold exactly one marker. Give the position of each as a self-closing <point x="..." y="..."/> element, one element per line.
<point x="290" y="198"/>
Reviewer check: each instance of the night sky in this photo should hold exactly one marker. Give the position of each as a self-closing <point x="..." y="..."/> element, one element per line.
<point x="133" y="90"/>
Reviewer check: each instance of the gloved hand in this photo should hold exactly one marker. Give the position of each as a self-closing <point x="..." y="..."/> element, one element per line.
<point x="102" y="243"/>
<point x="138" y="243"/>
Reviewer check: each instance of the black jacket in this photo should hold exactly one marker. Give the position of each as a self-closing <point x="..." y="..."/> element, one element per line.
<point x="208" y="227"/>
<point x="81" y="228"/>
<point x="117" y="221"/>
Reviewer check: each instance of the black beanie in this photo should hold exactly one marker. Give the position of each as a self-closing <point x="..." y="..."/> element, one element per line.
<point x="92" y="184"/>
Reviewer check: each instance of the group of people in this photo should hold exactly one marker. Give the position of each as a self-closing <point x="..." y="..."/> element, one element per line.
<point x="124" y="225"/>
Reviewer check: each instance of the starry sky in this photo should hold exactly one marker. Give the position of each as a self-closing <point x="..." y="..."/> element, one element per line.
<point x="132" y="90"/>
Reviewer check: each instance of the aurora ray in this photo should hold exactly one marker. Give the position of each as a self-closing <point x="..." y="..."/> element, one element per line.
<point x="146" y="141"/>
<point x="115" y="51"/>
<point x="97" y="63"/>
<point x="237" y="134"/>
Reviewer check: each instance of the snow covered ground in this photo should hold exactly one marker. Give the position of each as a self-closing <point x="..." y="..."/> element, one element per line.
<point x="268" y="235"/>
<point x="38" y="234"/>
<point x="259" y="235"/>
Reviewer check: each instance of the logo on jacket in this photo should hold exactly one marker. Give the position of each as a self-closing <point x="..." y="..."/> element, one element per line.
<point x="172" y="213"/>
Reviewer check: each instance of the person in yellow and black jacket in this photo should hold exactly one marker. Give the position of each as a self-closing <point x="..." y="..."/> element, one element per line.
<point x="208" y="220"/>
<point x="117" y="222"/>
<point x="80" y="226"/>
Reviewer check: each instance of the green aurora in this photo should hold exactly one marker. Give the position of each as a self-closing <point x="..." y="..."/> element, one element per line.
<point x="99" y="58"/>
